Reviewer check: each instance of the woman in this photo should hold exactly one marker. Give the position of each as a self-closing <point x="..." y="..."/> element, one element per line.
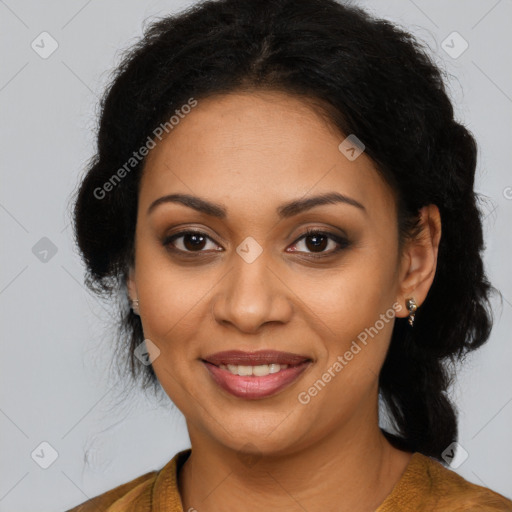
<point x="285" y="199"/>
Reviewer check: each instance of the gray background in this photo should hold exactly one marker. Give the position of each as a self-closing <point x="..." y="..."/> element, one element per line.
<point x="57" y="385"/>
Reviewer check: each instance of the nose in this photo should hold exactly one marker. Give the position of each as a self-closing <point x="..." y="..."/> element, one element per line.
<point x="252" y="295"/>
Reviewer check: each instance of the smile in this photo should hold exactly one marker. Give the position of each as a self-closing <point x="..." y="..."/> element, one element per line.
<point x="255" y="382"/>
<point x="258" y="371"/>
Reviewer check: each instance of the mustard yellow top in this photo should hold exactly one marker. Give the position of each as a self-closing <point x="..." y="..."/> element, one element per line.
<point x="426" y="485"/>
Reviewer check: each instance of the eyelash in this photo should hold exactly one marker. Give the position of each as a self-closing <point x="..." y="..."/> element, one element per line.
<point x="343" y="243"/>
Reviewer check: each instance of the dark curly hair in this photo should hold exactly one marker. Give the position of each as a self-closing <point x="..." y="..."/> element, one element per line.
<point x="369" y="78"/>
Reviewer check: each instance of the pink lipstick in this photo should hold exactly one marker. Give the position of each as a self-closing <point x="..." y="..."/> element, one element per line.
<point x="255" y="375"/>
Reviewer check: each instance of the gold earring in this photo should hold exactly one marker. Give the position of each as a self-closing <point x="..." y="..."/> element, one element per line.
<point x="134" y="304"/>
<point x="412" y="307"/>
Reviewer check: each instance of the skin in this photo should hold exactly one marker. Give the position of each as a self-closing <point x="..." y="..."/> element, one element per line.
<point x="252" y="152"/>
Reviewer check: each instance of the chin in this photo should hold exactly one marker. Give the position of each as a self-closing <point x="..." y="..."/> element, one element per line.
<point x="266" y="439"/>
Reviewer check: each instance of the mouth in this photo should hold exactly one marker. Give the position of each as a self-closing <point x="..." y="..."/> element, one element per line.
<point x="255" y="375"/>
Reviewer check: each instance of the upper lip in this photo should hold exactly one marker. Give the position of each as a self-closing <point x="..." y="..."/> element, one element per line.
<point x="261" y="357"/>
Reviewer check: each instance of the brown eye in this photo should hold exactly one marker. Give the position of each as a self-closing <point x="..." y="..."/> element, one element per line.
<point x="189" y="241"/>
<point x="318" y="241"/>
<point x="194" y="241"/>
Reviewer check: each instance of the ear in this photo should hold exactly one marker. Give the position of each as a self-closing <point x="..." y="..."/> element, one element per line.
<point x="130" y="284"/>
<point x="419" y="260"/>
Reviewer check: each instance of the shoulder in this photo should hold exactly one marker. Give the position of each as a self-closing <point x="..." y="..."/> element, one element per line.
<point x="456" y="493"/>
<point x="135" y="491"/>
<point x="151" y="491"/>
<point x="428" y="485"/>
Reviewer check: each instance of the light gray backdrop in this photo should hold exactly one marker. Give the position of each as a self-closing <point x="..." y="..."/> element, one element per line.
<point x="56" y="386"/>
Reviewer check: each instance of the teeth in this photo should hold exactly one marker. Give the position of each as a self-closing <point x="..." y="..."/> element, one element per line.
<point x="257" y="371"/>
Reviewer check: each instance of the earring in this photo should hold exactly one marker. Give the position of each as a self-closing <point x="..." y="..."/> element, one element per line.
<point x="412" y="307"/>
<point x="134" y="304"/>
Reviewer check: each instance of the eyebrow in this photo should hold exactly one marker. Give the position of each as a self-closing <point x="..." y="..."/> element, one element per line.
<point x="284" y="211"/>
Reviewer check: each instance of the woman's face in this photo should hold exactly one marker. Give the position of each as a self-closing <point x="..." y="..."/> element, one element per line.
<point x="251" y="281"/>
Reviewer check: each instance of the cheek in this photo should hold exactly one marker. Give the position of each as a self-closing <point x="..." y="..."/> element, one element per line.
<point x="172" y="305"/>
<point x="172" y="299"/>
<point x="350" y="362"/>
<point x="167" y="301"/>
<point x="176" y="308"/>
<point x="355" y="316"/>
<point x="353" y="297"/>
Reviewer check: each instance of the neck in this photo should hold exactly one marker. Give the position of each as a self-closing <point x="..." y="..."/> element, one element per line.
<point x="354" y="467"/>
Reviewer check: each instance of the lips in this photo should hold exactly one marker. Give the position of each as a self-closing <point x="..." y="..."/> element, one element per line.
<point x="237" y="357"/>
<point x="269" y="371"/>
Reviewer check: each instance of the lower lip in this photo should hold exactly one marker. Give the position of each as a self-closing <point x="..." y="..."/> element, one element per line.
<point x="251" y="387"/>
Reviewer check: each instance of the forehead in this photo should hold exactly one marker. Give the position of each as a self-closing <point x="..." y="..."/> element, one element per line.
<point x="245" y="149"/>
